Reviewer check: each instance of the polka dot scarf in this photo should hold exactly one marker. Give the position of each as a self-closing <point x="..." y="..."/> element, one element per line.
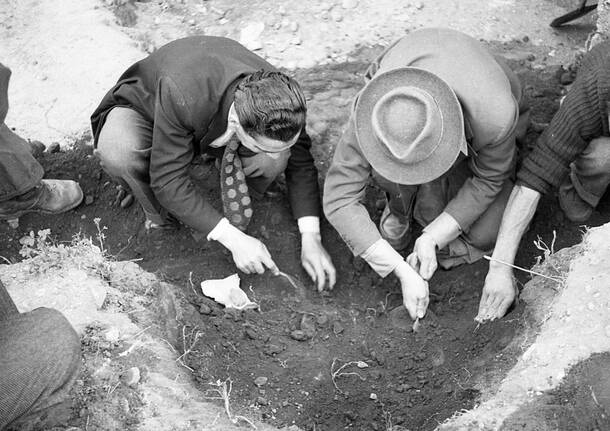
<point x="236" y="202"/>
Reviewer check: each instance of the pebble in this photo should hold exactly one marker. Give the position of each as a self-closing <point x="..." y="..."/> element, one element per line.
<point x="373" y="396"/>
<point x="322" y="319"/>
<point x="251" y="333"/>
<point x="131" y="377"/>
<point x="336" y="15"/>
<point x="273" y="349"/>
<point x="293" y="26"/>
<point x="37" y="148"/>
<point x="88" y="200"/>
<point x="338" y="328"/>
<point x="205" y="309"/>
<point x="262" y="401"/>
<point x="299" y="335"/>
<point x="54" y="148"/>
<point x="250" y="36"/>
<point x="127" y="201"/>
<point x="349" y="4"/>
<point x="260" y="381"/>
<point x="112" y="335"/>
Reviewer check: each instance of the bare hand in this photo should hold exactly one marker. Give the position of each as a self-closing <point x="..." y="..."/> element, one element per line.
<point x="423" y="257"/>
<point x="250" y="255"/>
<point x="499" y="292"/>
<point x="316" y="261"/>
<point x="414" y="291"/>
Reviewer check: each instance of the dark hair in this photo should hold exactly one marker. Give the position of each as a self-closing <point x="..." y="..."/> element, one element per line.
<point x="270" y="104"/>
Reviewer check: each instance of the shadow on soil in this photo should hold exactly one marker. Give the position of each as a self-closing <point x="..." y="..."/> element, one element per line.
<point x="411" y="380"/>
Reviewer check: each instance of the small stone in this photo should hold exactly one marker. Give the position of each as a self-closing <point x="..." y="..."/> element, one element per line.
<point x="13" y="223"/>
<point x="250" y="36"/>
<point x="112" y="335"/>
<point x="127" y="201"/>
<point x="131" y="377"/>
<point x="260" y="381"/>
<point x="276" y="218"/>
<point x="285" y="403"/>
<point x="373" y="396"/>
<point x="299" y="335"/>
<point x="37" y="148"/>
<point x="337" y="328"/>
<point x="336" y="15"/>
<point x="526" y="39"/>
<point x="262" y="401"/>
<point x="192" y="22"/>
<point x="322" y="319"/>
<point x="88" y="200"/>
<point x="54" y="148"/>
<point x="205" y="309"/>
<point x="293" y="26"/>
<point x="566" y="78"/>
<point x="251" y="333"/>
<point x="419" y="6"/>
<point x="349" y="4"/>
<point x="272" y="349"/>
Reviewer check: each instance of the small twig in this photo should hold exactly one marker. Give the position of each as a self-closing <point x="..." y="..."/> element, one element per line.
<point x="558" y="280"/>
<point x="6" y="260"/>
<point x="191" y="282"/>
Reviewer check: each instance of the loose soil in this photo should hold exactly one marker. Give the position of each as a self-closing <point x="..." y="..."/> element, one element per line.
<point x="411" y="380"/>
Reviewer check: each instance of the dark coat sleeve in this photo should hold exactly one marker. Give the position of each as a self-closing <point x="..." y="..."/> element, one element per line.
<point x="302" y="179"/>
<point x="172" y="153"/>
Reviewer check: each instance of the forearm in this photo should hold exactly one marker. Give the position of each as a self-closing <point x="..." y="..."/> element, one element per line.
<point x="519" y="211"/>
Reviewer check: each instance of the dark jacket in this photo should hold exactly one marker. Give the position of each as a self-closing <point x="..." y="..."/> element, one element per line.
<point x="185" y="89"/>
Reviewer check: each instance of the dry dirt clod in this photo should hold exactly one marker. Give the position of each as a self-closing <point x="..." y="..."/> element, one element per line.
<point x="131" y="377"/>
<point x="260" y="381"/>
<point x="338" y="328"/>
<point x="299" y="335"/>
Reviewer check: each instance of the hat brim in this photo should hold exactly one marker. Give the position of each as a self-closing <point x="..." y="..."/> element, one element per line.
<point x="452" y="132"/>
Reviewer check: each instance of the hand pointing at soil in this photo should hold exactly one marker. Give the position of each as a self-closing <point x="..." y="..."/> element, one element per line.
<point x="414" y="290"/>
<point x="249" y="254"/>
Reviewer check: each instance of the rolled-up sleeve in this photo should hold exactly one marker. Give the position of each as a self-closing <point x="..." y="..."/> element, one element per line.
<point x="344" y="192"/>
<point x="172" y="152"/>
<point x="491" y="165"/>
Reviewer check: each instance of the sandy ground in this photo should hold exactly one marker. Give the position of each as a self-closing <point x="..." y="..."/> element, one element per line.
<point x="65" y="55"/>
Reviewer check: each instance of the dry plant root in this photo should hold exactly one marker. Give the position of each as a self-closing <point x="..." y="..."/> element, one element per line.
<point x="223" y="391"/>
<point x="334" y="374"/>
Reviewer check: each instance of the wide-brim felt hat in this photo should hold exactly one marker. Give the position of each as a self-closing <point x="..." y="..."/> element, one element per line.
<point x="409" y="125"/>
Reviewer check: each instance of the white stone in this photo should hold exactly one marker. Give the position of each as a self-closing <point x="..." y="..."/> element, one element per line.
<point x="250" y="36"/>
<point x="349" y="4"/>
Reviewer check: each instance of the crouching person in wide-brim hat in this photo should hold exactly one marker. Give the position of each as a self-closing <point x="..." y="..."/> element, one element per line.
<point x="435" y="127"/>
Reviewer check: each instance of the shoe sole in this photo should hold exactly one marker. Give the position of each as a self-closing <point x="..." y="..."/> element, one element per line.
<point x="24" y="212"/>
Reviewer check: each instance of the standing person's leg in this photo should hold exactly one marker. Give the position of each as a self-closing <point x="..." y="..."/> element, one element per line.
<point x="22" y="189"/>
<point x="39" y="360"/>
<point x="395" y="222"/>
<point x="124" y="147"/>
<point x="589" y="177"/>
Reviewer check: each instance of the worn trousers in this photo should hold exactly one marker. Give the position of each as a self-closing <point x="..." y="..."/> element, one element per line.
<point x="39" y="361"/>
<point x="124" y="148"/>
<point x="423" y="203"/>
<point x="19" y="170"/>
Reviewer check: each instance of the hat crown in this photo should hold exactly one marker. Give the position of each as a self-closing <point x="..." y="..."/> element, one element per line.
<point x="408" y="123"/>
